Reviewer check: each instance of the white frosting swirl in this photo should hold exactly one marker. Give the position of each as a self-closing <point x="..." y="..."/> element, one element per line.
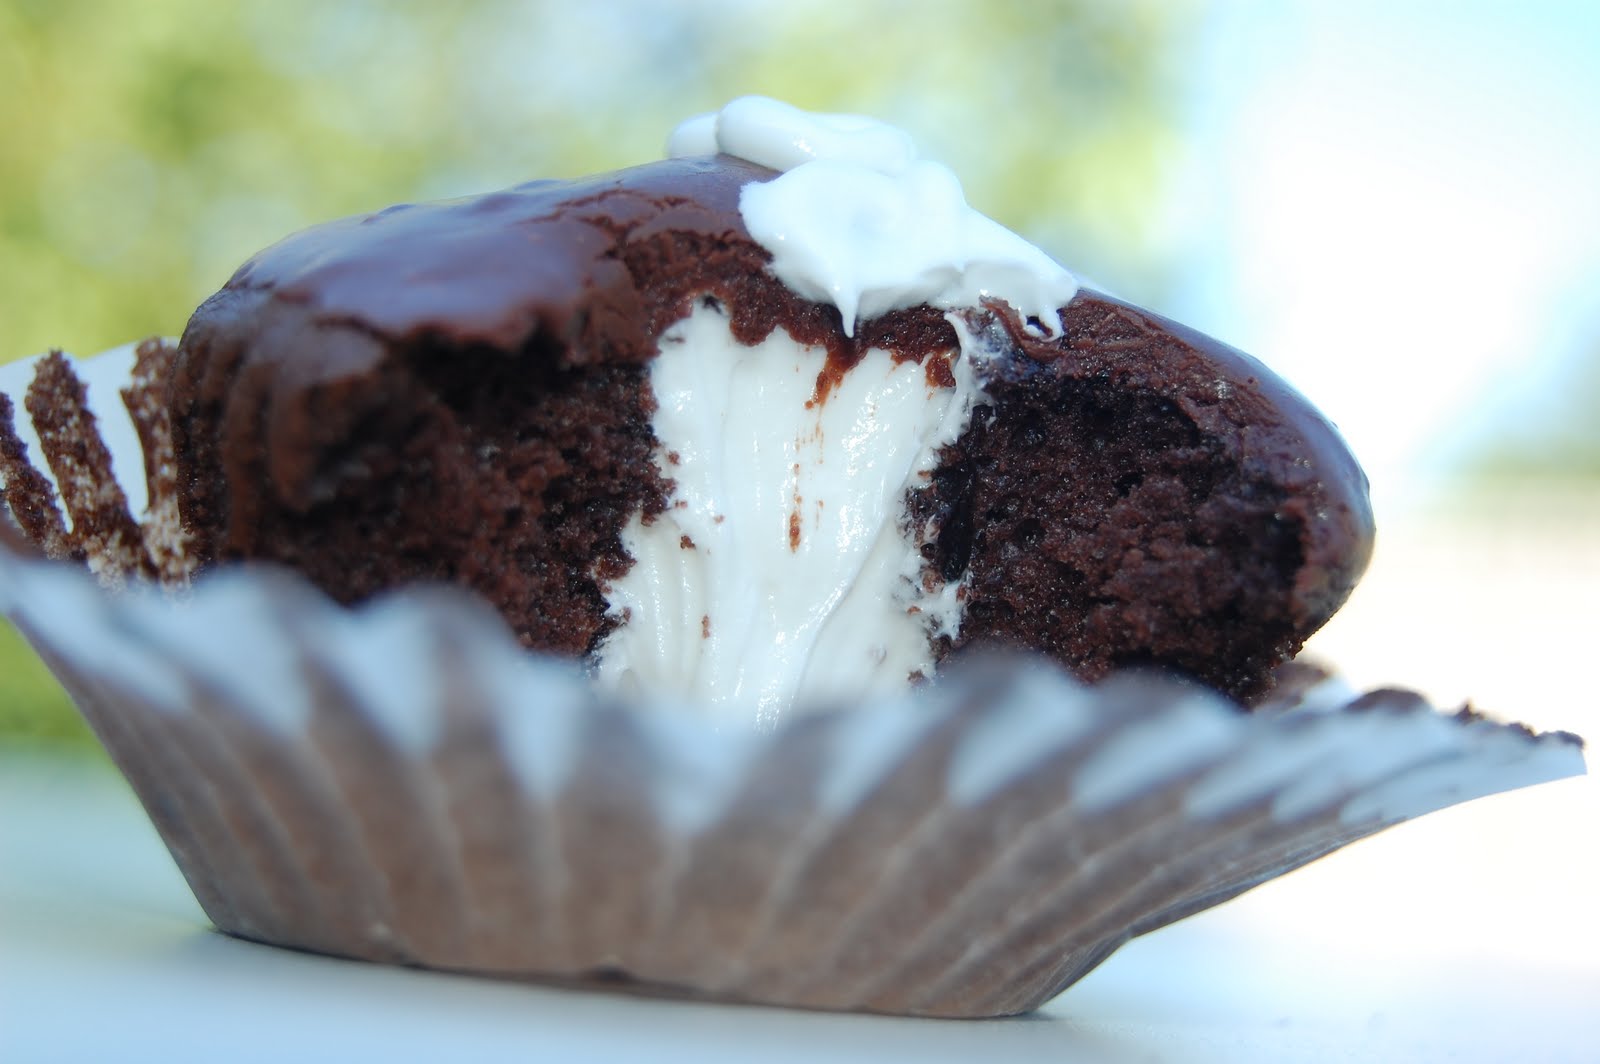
<point x="859" y="221"/>
<point x="772" y="133"/>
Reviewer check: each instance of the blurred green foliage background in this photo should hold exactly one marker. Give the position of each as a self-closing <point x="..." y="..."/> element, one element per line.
<point x="1562" y="445"/>
<point x="150" y="148"/>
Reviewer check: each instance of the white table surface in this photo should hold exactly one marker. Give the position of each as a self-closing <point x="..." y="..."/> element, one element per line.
<point x="1374" y="954"/>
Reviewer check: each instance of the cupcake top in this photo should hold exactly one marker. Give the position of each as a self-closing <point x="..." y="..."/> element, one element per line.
<point x="760" y="437"/>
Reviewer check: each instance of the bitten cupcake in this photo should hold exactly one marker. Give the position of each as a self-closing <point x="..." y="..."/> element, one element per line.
<point x="726" y="465"/>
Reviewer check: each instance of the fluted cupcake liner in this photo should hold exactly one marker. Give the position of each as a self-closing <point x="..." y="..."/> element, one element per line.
<point x="403" y="783"/>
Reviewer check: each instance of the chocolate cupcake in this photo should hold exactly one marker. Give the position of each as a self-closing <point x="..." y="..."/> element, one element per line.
<point x="750" y="449"/>
<point x="602" y="406"/>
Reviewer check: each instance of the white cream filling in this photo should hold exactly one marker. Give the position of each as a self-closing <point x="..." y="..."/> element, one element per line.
<point x="781" y="573"/>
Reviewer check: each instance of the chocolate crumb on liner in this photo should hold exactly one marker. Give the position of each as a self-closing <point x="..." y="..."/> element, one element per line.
<point x="82" y="452"/>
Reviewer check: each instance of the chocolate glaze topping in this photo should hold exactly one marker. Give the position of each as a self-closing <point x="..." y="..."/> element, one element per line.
<point x="459" y="392"/>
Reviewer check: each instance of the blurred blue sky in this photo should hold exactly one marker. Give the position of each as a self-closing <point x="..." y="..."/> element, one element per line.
<point x="1397" y="205"/>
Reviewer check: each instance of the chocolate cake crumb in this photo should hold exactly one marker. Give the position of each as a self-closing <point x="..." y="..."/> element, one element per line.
<point x="27" y="494"/>
<point x="103" y="532"/>
<point x="162" y="532"/>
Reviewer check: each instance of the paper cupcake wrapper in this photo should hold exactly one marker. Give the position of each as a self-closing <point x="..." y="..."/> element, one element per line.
<point x="405" y="784"/>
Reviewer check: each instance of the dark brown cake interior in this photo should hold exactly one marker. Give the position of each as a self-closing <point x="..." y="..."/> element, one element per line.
<point x="459" y="392"/>
<point x="1141" y="495"/>
<point x="464" y="466"/>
